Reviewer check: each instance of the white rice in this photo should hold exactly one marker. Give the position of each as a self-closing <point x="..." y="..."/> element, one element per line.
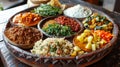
<point x="78" y="11"/>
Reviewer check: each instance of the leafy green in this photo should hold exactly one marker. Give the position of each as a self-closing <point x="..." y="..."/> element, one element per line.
<point x="58" y="30"/>
<point x="47" y="10"/>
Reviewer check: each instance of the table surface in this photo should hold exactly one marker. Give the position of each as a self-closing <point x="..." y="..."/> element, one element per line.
<point x="111" y="60"/>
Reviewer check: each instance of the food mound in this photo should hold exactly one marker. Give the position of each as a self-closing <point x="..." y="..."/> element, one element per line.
<point x="72" y="23"/>
<point x="77" y="11"/>
<point x="53" y="47"/>
<point x="26" y="19"/>
<point x="91" y="40"/>
<point x="98" y="22"/>
<point x="23" y="37"/>
<point x="61" y="26"/>
<point x="97" y="34"/>
<point x="47" y="10"/>
<point x="58" y="30"/>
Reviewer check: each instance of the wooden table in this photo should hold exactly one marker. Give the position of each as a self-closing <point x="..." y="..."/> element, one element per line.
<point x="111" y="60"/>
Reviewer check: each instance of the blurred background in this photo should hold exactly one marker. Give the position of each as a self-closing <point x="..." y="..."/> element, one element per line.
<point x="112" y="5"/>
<point x="6" y="4"/>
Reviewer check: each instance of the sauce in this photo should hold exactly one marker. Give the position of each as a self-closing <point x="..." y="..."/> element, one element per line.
<point x="26" y="19"/>
<point x="72" y="23"/>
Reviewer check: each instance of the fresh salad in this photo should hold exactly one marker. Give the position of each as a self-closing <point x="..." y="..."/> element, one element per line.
<point x="98" y="22"/>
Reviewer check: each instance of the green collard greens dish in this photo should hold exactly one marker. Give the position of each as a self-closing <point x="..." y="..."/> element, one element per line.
<point x="47" y="10"/>
<point x="58" y="30"/>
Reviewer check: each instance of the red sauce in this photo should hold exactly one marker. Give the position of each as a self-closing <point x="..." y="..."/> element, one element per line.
<point x="72" y="23"/>
<point x="27" y="19"/>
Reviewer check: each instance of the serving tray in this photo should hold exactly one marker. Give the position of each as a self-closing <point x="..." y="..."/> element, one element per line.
<point x="33" y="60"/>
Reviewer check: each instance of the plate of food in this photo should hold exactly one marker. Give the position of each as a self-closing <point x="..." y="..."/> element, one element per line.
<point x="45" y="36"/>
<point x="60" y="26"/>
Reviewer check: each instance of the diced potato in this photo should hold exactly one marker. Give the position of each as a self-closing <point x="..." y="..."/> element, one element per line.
<point x="93" y="47"/>
<point x="90" y="38"/>
<point x="76" y="48"/>
<point x="74" y="53"/>
<point x="81" y="37"/>
<point x="88" y="46"/>
<point x="87" y="31"/>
